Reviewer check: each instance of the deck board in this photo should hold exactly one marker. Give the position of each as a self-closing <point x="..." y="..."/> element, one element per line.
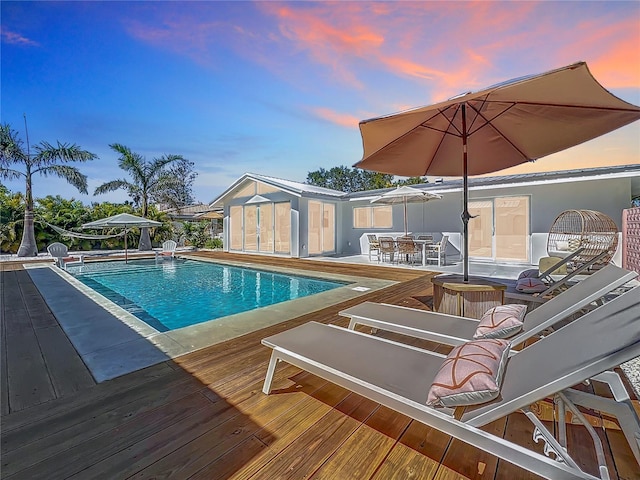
<point x="203" y="415"/>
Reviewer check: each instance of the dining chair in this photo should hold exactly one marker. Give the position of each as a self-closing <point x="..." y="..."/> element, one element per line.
<point x="387" y="248"/>
<point x="374" y="246"/>
<point x="438" y="251"/>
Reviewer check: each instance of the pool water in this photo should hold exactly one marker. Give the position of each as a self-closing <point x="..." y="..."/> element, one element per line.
<point x="176" y="293"/>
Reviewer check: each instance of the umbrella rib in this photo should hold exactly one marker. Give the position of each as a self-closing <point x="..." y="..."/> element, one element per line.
<point x="498" y="131"/>
<point x="562" y="105"/>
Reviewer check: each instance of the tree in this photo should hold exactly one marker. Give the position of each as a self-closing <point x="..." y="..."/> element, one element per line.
<point x="176" y="186"/>
<point x="147" y="180"/>
<point x="11" y="214"/>
<point x="349" y="180"/>
<point x="412" y="181"/>
<point x="46" y="161"/>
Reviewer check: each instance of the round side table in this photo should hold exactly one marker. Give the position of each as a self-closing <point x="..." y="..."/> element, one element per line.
<point x="452" y="295"/>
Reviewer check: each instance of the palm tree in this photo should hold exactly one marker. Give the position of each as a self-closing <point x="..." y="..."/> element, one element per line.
<point x="45" y="162"/>
<point x="146" y="180"/>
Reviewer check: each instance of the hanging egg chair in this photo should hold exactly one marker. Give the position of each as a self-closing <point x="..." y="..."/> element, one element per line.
<point x="592" y="231"/>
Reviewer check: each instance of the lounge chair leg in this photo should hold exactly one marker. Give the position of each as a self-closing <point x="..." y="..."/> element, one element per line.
<point x="623" y="411"/>
<point x="615" y="384"/>
<point x="551" y="445"/>
<point x="266" y="389"/>
<point x="597" y="443"/>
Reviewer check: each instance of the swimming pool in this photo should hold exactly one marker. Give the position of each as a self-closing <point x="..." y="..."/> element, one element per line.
<point x="172" y="294"/>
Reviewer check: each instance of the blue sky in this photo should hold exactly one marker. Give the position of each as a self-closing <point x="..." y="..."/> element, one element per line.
<point x="278" y="88"/>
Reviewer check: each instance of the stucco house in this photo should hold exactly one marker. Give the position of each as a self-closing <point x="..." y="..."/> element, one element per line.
<point x="514" y="213"/>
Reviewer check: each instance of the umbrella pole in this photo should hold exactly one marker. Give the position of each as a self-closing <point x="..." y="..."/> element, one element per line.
<point x="125" y="244"/>
<point x="406" y="222"/>
<point x="465" y="188"/>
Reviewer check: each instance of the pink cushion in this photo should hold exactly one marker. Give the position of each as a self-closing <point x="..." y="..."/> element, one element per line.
<point x="530" y="285"/>
<point x="502" y="321"/>
<point x="531" y="273"/>
<point x="471" y="374"/>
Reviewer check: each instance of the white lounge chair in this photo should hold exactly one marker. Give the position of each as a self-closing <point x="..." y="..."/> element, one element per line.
<point x="454" y="330"/>
<point x="61" y="255"/>
<point x="399" y="377"/>
<point x="552" y="286"/>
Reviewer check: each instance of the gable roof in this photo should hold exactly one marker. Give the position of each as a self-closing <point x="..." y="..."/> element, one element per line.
<point x="294" y="188"/>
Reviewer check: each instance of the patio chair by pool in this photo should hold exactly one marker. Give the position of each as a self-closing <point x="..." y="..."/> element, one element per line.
<point x="374" y="246"/>
<point x="168" y="249"/>
<point x="61" y="255"/>
<point x="454" y="330"/>
<point x="407" y="379"/>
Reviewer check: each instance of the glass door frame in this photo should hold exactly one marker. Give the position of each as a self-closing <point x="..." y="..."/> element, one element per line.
<point x="495" y="227"/>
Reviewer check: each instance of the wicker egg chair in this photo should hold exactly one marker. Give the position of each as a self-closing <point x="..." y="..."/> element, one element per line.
<point x="593" y="231"/>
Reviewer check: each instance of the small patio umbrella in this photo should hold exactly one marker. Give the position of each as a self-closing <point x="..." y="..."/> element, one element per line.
<point x="122" y="220"/>
<point x="404" y="195"/>
<point x="501" y="126"/>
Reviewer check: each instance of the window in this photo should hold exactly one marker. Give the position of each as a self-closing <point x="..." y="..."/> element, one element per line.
<point x="373" y="217"/>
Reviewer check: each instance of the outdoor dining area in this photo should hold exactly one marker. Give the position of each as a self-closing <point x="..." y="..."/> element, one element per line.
<point x="410" y="249"/>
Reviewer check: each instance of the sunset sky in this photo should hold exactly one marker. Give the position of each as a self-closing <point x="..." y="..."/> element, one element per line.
<point x="278" y="88"/>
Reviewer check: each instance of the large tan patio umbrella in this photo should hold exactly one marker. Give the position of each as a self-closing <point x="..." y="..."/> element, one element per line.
<point x="501" y="126"/>
<point x="122" y="220"/>
<point x="404" y="195"/>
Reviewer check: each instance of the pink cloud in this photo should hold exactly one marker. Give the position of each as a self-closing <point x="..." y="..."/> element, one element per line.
<point x="341" y="119"/>
<point x="17" y="39"/>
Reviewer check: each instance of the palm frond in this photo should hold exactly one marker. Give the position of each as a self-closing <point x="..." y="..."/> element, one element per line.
<point x="10" y="174"/>
<point x="111" y="186"/>
<point x="47" y="154"/>
<point x="129" y="161"/>
<point x="11" y="150"/>
<point x="69" y="173"/>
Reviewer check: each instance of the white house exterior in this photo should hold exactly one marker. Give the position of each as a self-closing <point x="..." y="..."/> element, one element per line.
<point x="514" y="213"/>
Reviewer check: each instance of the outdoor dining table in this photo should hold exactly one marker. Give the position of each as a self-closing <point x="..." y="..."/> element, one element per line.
<point x="423" y="245"/>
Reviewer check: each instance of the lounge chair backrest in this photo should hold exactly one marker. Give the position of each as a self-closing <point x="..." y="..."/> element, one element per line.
<point x="58" y="250"/>
<point x="573" y="299"/>
<point x="598" y="341"/>
<point x="169" y="246"/>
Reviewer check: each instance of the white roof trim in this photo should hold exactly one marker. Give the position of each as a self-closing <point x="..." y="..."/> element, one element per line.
<point x="257" y="199"/>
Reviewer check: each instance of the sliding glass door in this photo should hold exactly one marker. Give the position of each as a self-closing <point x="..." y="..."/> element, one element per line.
<point x="263" y="228"/>
<point x="321" y="228"/>
<point x="500" y="231"/>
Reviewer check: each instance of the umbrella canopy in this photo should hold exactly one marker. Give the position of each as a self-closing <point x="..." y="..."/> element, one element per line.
<point x="501" y="126"/>
<point x="122" y="220"/>
<point x="404" y="195"/>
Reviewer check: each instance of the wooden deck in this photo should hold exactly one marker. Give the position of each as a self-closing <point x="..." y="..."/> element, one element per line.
<point x="203" y="415"/>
